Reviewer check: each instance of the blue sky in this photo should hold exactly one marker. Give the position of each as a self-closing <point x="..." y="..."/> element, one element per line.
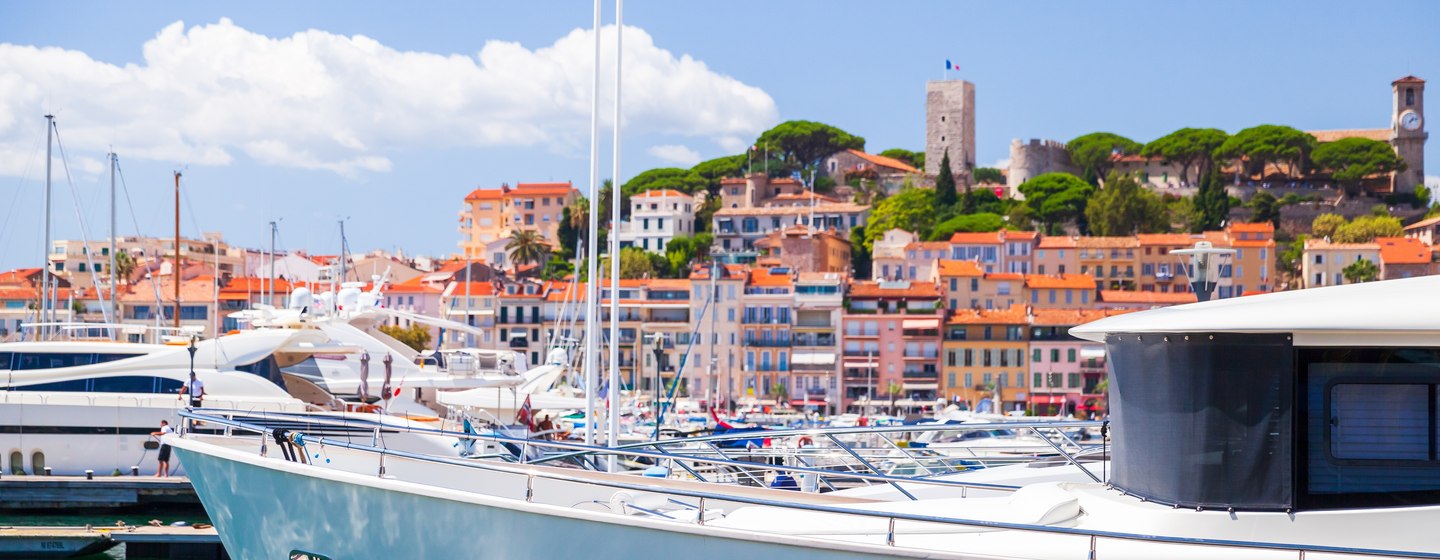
<point x="711" y="75"/>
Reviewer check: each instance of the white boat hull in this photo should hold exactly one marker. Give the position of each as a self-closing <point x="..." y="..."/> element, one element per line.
<point x="266" y="508"/>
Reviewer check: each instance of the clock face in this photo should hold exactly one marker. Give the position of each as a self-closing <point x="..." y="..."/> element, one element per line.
<point x="1410" y="120"/>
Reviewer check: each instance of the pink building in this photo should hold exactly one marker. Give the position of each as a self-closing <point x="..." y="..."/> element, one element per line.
<point x="891" y="339"/>
<point x="1065" y="370"/>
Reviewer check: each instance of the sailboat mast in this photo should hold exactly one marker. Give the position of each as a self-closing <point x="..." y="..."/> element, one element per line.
<point x="344" y="248"/>
<point x="45" y="271"/>
<point x="114" y="306"/>
<point x="615" y="199"/>
<point x="592" y="286"/>
<point x="175" y="273"/>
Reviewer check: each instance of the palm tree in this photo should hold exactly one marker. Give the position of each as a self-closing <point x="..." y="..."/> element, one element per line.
<point x="527" y="247"/>
<point x="894" y="390"/>
<point x="124" y="266"/>
<point x="580" y="213"/>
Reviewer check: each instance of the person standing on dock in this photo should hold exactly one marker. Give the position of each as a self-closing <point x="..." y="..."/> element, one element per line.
<point x="163" y="470"/>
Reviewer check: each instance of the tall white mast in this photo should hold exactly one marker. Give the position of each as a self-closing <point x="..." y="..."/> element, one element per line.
<point x="114" y="294"/>
<point x="592" y="286"/>
<point x="615" y="199"/>
<point x="45" y="271"/>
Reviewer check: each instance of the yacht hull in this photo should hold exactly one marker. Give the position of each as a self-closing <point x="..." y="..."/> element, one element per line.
<point x="268" y="508"/>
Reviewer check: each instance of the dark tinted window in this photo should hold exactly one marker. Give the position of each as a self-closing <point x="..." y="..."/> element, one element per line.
<point x="35" y="360"/>
<point x="5" y="360"/>
<point x="142" y="384"/>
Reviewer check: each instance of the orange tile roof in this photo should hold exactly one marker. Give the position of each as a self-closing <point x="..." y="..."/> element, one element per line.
<point x="476" y="289"/>
<point x="730" y="272"/>
<point x="484" y="194"/>
<point x="948" y="267"/>
<point x="977" y="238"/>
<point x="12" y="293"/>
<point x="1403" y="250"/>
<point x="18" y="275"/>
<point x="866" y="289"/>
<point x="804" y="197"/>
<point x="1015" y="315"/>
<point x="1057" y="242"/>
<point x="929" y="245"/>
<point x="1020" y="235"/>
<point x="883" y="161"/>
<point x="1253" y="227"/>
<point x="1091" y="242"/>
<point x="1072" y="316"/>
<point x="1004" y="276"/>
<point x="784" y="181"/>
<point x="1252" y="243"/>
<point x="1381" y="134"/>
<point x="1123" y="296"/>
<point x="190" y="291"/>
<point x="670" y="284"/>
<point x="414" y="285"/>
<point x="1409" y="79"/>
<point x="763" y="277"/>
<point x="1063" y="281"/>
<point x="732" y="181"/>
<point x="1165" y="239"/>
<point x="658" y="193"/>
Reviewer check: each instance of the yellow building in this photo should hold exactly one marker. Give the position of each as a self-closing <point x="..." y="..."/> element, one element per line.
<point x="491" y="215"/>
<point x="983" y="354"/>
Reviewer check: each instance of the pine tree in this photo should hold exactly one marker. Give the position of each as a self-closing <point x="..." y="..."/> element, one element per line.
<point x="945" y="185"/>
<point x="1212" y="203"/>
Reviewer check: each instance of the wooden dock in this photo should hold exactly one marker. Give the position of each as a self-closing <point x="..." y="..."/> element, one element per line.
<point x="176" y="543"/>
<point x="68" y="492"/>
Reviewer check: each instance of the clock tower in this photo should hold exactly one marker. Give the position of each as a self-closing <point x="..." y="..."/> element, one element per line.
<point x="1407" y="125"/>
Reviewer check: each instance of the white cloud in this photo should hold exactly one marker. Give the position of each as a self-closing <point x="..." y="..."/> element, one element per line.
<point x="676" y="154"/>
<point x="1001" y="164"/>
<point x="732" y="144"/>
<point x="317" y="100"/>
<point x="1432" y="182"/>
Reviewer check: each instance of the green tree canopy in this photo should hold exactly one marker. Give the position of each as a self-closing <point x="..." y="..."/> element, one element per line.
<point x="636" y="263"/>
<point x="416" y="336"/>
<point x="1266" y="208"/>
<point x="1092" y="152"/>
<point x="1365" y="229"/>
<point x="1268" y="143"/>
<point x="983" y="221"/>
<point x="915" y="159"/>
<point x="557" y="268"/>
<point x="989" y="175"/>
<point x="713" y="170"/>
<point x="911" y="209"/>
<point x="683" y="180"/>
<point x="1325" y="225"/>
<point x="1350" y="160"/>
<point x="566" y="233"/>
<point x="680" y="252"/>
<point x="1123" y="207"/>
<point x="859" y="253"/>
<point x="1293" y="253"/>
<point x="1189" y="147"/>
<point x="945" y="196"/>
<point x="1055" y="198"/>
<point x="802" y="144"/>
<point x="1361" y="271"/>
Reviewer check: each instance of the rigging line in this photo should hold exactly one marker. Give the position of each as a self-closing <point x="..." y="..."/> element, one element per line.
<point x="159" y="304"/>
<point x="189" y="209"/>
<point x="19" y="188"/>
<point x="84" y="231"/>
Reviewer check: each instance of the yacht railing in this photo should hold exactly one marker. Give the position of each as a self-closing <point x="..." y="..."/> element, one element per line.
<point x="1087" y="537"/>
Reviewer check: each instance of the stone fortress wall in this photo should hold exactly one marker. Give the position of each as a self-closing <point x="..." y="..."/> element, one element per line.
<point x="1033" y="158"/>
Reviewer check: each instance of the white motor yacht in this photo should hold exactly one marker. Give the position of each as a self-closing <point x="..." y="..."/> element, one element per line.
<point x="1294" y="424"/>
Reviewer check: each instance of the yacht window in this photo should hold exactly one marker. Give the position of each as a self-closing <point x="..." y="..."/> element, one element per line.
<point x="121" y="384"/>
<point x="1371" y="421"/>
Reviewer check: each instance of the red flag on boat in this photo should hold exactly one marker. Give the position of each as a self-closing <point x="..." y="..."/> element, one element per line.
<point x="525" y="416"/>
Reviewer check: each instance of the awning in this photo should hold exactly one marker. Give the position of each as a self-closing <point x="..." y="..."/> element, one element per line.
<point x="1092" y="352"/>
<point x="519" y="332"/>
<point x="920" y="324"/>
<point x="813" y="358"/>
<point x="862" y="364"/>
<point x="1047" y="399"/>
<point x="921" y="386"/>
<point x="803" y="402"/>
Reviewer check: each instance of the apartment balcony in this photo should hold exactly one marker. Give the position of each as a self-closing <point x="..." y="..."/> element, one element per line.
<point x="814" y="340"/>
<point x="772" y="343"/>
<point x="862" y="334"/>
<point x="922" y="376"/>
<point x="922" y="356"/>
<point x="763" y="320"/>
<point x="861" y="353"/>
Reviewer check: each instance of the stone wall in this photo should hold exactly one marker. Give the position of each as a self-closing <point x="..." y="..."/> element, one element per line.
<point x="1036" y="157"/>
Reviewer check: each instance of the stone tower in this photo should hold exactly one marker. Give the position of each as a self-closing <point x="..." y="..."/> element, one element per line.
<point x="950" y="126"/>
<point x="1407" y="125"/>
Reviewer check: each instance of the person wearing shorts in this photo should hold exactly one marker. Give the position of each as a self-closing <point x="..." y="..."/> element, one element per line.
<point x="163" y="470"/>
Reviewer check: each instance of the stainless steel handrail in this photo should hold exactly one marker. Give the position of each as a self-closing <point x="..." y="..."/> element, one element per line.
<point x="1300" y="549"/>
